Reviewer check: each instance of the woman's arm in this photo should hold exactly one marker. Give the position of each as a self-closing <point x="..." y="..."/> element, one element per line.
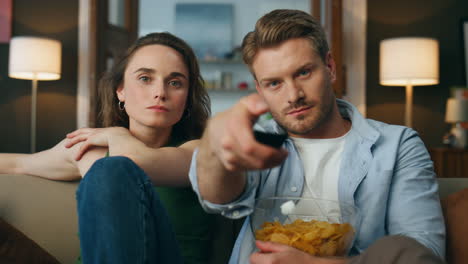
<point x="166" y="166"/>
<point x="57" y="163"/>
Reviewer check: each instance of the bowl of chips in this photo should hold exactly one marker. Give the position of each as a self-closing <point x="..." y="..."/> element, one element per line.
<point x="319" y="227"/>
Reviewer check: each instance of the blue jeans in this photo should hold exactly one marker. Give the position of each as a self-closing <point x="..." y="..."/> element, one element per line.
<point x="121" y="218"/>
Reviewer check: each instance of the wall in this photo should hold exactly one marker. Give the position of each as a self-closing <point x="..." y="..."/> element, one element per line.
<point x="159" y="16"/>
<point x="156" y="16"/>
<point x="56" y="105"/>
<point x="354" y="52"/>
<point x="429" y="18"/>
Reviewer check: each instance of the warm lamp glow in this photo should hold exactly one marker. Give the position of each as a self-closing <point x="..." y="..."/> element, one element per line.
<point x="409" y="62"/>
<point x="413" y="61"/>
<point x="457" y="110"/>
<point x="35" y="58"/>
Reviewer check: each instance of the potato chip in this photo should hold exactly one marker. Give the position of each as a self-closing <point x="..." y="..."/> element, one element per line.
<point x="318" y="238"/>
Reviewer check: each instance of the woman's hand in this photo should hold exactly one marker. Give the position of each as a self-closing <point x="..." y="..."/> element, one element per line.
<point x="94" y="137"/>
<point x="278" y="253"/>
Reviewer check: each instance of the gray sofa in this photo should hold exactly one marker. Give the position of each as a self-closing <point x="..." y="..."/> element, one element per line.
<point x="45" y="211"/>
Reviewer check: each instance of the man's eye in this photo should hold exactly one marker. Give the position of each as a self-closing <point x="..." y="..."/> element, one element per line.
<point x="273" y="84"/>
<point x="144" y="78"/>
<point x="304" y="72"/>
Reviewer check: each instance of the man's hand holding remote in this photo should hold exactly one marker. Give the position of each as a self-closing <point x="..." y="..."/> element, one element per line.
<point x="229" y="148"/>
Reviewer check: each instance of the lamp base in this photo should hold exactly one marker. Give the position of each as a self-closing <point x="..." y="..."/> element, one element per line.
<point x="460" y="136"/>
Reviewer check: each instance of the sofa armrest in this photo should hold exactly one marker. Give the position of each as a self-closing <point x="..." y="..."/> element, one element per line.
<point x="44" y="210"/>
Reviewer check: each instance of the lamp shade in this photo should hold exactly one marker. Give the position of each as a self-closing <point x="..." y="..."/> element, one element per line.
<point x="457" y="110"/>
<point x="35" y="58"/>
<point x="409" y="61"/>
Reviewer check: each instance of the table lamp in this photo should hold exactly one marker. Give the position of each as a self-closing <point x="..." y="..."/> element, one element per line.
<point x="33" y="58"/>
<point x="456" y="113"/>
<point x="409" y="61"/>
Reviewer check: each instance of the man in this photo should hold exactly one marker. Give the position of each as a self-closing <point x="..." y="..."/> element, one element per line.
<point x="332" y="152"/>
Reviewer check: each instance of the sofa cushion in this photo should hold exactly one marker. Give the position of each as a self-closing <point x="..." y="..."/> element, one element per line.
<point x="455" y="207"/>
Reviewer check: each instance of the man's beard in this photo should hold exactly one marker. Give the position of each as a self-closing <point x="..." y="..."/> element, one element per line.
<point x="304" y="124"/>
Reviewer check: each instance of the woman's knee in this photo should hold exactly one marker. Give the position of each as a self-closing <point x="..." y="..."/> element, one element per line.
<point x="110" y="176"/>
<point x="113" y="169"/>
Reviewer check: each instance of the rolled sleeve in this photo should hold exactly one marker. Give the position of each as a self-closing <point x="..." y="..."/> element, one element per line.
<point x="239" y="208"/>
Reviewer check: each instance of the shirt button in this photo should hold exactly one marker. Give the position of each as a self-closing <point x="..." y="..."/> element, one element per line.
<point x="293" y="189"/>
<point x="235" y="213"/>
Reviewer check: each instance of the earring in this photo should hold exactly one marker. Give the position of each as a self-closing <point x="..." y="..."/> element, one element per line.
<point x="121" y="105"/>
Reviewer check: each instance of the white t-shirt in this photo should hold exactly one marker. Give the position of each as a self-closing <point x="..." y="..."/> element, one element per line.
<point x="321" y="159"/>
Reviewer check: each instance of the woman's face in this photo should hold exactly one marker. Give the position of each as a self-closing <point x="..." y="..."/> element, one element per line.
<point x="155" y="87"/>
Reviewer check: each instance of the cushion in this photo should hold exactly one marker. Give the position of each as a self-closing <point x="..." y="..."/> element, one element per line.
<point x="455" y="207"/>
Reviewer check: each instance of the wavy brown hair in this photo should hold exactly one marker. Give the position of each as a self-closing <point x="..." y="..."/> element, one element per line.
<point x="281" y="25"/>
<point x="197" y="108"/>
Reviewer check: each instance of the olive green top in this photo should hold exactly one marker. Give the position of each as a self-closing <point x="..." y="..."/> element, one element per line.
<point x="190" y="223"/>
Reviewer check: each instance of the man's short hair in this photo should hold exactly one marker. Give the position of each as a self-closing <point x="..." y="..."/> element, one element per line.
<point x="280" y="25"/>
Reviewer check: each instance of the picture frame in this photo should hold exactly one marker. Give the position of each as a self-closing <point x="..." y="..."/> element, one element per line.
<point x="207" y="28"/>
<point x="5" y="20"/>
<point x="464" y="30"/>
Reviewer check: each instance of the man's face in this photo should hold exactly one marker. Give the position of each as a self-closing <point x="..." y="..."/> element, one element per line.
<point x="296" y="85"/>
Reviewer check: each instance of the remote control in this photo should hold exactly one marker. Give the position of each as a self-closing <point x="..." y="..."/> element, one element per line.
<point x="273" y="140"/>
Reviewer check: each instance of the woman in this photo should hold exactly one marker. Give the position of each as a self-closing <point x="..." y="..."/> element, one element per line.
<point x="155" y="90"/>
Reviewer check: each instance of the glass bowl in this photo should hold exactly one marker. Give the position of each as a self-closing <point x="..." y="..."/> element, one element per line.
<point x="319" y="227"/>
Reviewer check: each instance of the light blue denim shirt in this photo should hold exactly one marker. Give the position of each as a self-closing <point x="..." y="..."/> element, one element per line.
<point x="386" y="172"/>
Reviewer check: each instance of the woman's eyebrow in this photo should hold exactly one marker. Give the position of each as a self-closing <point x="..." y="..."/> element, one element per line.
<point x="146" y="70"/>
<point x="177" y="74"/>
<point x="171" y="75"/>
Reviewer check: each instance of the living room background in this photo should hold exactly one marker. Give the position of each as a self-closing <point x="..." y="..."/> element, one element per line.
<point x="56" y="114"/>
